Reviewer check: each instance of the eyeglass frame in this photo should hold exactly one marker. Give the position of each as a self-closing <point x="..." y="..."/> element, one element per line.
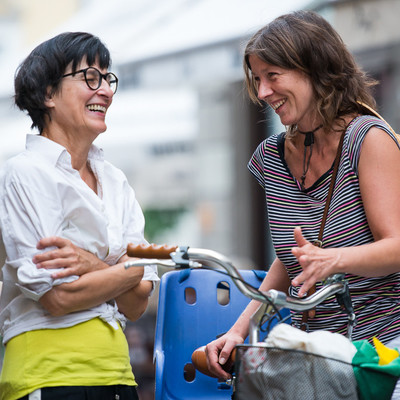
<point x="102" y="76"/>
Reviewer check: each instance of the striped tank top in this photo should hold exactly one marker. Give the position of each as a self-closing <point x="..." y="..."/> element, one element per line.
<point x="376" y="301"/>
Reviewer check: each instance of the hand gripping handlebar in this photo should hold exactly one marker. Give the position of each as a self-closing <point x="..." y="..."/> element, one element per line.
<point x="271" y="300"/>
<point x="185" y="257"/>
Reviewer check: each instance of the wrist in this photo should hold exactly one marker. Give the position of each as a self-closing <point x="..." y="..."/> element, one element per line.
<point x="240" y="328"/>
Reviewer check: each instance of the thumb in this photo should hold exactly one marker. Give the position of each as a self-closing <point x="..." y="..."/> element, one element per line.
<point x="299" y="238"/>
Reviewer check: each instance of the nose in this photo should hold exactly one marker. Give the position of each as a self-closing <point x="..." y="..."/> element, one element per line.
<point x="105" y="89"/>
<point x="264" y="90"/>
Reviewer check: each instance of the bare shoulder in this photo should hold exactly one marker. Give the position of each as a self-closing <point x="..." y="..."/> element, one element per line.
<point x="379" y="141"/>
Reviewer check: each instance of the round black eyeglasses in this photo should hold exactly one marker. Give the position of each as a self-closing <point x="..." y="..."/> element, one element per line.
<point x="93" y="78"/>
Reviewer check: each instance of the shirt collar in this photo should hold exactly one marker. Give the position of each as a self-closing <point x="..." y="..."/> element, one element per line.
<point x="55" y="152"/>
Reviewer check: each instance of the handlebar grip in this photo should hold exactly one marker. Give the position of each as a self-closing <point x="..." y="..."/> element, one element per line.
<point x="150" y="250"/>
<point x="199" y="360"/>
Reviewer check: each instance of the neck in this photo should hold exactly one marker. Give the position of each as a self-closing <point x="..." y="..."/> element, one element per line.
<point x="78" y="149"/>
<point x="308" y="142"/>
<point x="309" y="135"/>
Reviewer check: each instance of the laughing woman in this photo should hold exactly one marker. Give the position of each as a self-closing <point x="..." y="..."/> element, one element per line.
<point x="66" y="217"/>
<point x="299" y="66"/>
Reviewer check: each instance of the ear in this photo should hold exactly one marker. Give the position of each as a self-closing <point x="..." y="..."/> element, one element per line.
<point x="48" y="101"/>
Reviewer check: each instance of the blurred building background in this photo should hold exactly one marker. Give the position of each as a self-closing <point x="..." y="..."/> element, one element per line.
<point x="181" y="127"/>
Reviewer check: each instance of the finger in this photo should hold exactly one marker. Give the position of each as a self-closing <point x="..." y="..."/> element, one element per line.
<point x="297" y="252"/>
<point x="212" y="362"/>
<point x="299" y="238"/>
<point x="303" y="275"/>
<point x="305" y="288"/>
<point x="298" y="280"/>
<point x="56" y="263"/>
<point x="217" y="370"/>
<point x="306" y="281"/>
<point x="65" y="253"/>
<point x="52" y="241"/>
<point x="226" y="352"/>
<point x="211" y="351"/>
<point x="65" y="272"/>
<point x="48" y="255"/>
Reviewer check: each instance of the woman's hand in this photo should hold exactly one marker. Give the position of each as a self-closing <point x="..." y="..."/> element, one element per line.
<point x="317" y="263"/>
<point x="73" y="259"/>
<point x="218" y="352"/>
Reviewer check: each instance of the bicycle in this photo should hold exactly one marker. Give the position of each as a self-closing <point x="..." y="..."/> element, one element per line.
<point x="320" y="370"/>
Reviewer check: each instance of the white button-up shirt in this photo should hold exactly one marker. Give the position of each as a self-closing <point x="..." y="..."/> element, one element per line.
<point x="41" y="195"/>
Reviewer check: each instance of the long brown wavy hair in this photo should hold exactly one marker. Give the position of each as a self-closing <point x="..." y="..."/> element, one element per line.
<point x="305" y="41"/>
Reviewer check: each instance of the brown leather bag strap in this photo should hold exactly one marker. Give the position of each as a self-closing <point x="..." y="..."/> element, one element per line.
<point x="330" y="192"/>
<point x="311" y="313"/>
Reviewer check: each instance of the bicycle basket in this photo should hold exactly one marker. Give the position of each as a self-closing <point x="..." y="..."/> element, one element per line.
<point x="273" y="373"/>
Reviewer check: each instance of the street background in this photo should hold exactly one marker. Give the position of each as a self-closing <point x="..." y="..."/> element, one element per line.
<point x="181" y="127"/>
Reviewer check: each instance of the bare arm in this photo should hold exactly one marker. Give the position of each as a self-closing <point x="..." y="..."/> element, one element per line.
<point x="379" y="173"/>
<point x="133" y="302"/>
<point x="219" y="350"/>
<point x="98" y="281"/>
<point x="91" y="289"/>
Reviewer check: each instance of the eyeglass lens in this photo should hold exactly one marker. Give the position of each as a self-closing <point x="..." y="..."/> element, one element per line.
<point x="94" y="77"/>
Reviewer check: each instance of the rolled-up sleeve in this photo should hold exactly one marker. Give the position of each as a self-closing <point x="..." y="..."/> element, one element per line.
<point x="25" y="211"/>
<point x="34" y="282"/>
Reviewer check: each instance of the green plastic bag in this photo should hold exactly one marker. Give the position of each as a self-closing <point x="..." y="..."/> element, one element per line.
<point x="374" y="381"/>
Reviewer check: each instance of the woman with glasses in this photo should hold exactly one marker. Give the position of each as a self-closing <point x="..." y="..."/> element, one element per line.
<point x="66" y="217"/>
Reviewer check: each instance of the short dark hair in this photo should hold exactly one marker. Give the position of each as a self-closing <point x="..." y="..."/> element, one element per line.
<point x="46" y="64"/>
<point x="305" y="41"/>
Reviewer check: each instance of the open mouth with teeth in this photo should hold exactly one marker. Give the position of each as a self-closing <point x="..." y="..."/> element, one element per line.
<point x="97" y="108"/>
<point x="278" y="104"/>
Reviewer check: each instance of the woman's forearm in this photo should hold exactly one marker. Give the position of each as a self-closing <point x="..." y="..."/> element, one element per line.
<point x="133" y="303"/>
<point x="91" y="289"/>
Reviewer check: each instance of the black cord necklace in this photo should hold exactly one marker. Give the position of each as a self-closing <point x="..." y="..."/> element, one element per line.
<point x="308" y="142"/>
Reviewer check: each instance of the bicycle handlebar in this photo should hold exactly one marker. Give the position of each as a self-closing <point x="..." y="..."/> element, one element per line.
<point x="271" y="300"/>
<point x="150" y="251"/>
<point x="192" y="258"/>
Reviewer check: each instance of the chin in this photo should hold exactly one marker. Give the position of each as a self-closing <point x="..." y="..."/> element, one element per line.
<point x="287" y="121"/>
<point x="101" y="129"/>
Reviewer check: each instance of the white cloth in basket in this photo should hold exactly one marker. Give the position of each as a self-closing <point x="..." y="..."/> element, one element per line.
<point x="323" y="343"/>
<point x="266" y="373"/>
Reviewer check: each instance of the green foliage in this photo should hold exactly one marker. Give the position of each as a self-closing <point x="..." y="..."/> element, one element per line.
<point x="161" y="220"/>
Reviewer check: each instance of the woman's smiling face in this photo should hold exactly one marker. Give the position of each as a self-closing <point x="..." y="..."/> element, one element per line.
<point x="77" y="108"/>
<point x="288" y="92"/>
